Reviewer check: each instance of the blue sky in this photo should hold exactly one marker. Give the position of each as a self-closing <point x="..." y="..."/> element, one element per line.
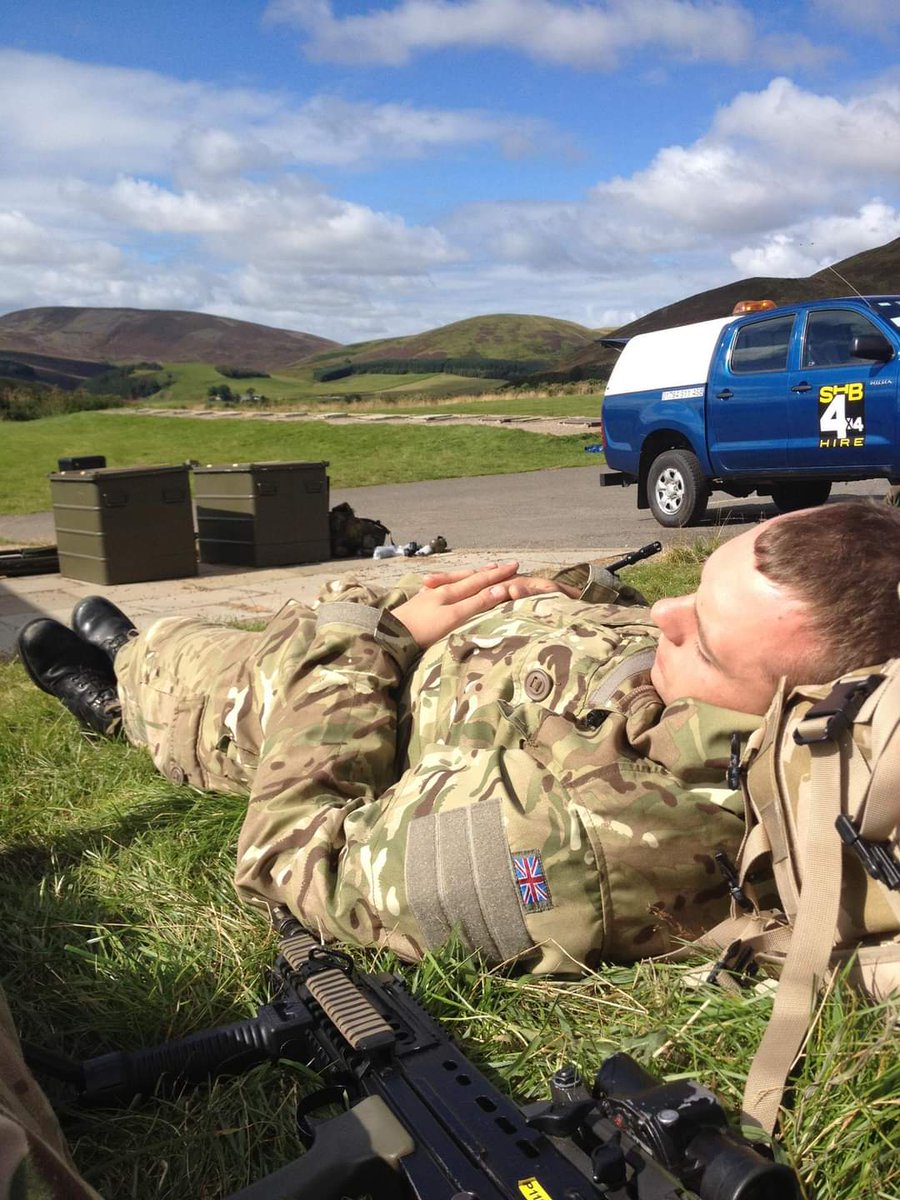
<point x="360" y="170"/>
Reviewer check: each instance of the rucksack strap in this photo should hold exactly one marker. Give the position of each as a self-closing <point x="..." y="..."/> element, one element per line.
<point x="810" y="945"/>
<point x="878" y="817"/>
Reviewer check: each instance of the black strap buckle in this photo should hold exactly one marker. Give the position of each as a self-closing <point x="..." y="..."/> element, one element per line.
<point x="839" y="709"/>
<point x="733" y="774"/>
<point x="876" y="857"/>
<point x="738" y="960"/>
<point x="730" y="875"/>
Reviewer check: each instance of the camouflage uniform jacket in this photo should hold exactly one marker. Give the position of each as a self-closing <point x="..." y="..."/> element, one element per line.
<point x="518" y="783"/>
<point x="35" y="1163"/>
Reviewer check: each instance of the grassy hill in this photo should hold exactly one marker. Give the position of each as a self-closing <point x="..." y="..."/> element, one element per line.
<point x="134" y="335"/>
<point x="66" y="346"/>
<point x="872" y="272"/>
<point x="500" y="336"/>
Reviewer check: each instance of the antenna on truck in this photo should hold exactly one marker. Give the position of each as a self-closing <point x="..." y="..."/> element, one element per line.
<point x="847" y="283"/>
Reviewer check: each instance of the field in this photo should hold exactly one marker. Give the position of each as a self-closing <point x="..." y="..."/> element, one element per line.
<point x="358" y="455"/>
<point x="297" y="387"/>
<point x="121" y="930"/>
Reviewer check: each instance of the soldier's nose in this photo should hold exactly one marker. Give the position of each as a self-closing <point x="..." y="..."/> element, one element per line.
<point x="670" y="615"/>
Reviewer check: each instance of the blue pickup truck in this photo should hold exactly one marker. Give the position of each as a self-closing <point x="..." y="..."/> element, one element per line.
<point x="781" y="401"/>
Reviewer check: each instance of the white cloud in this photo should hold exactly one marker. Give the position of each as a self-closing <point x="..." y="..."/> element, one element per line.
<point x="808" y="129"/>
<point x="587" y="35"/>
<point x="92" y="120"/>
<point x="292" y="224"/>
<point x="820" y="242"/>
<point x="707" y="187"/>
<point x="771" y="161"/>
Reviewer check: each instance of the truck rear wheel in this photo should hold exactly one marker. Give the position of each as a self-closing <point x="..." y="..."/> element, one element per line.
<point x="676" y="489"/>
<point x="808" y="493"/>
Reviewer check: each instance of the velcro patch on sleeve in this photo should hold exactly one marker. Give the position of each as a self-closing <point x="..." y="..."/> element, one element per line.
<point x="457" y="877"/>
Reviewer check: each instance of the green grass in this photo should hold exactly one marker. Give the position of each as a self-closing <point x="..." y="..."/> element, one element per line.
<point x="297" y="387"/>
<point x="120" y="929"/>
<point x="358" y="455"/>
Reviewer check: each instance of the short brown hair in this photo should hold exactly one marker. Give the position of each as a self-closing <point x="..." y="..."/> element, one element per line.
<point x="843" y="560"/>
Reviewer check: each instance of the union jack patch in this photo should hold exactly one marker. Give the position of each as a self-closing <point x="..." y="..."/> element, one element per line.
<point x="534" y="891"/>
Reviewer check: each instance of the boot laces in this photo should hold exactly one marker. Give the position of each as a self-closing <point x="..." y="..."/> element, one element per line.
<point x="95" y="689"/>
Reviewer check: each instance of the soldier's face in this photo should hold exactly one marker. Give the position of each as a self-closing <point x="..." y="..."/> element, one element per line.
<point x="730" y="641"/>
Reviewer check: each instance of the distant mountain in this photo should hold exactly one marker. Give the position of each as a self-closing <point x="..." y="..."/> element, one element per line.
<point x="874" y="272"/>
<point x="133" y="335"/>
<point x="500" y="336"/>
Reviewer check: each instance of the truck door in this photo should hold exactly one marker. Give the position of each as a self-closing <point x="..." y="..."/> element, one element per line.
<point x="843" y="408"/>
<point x="748" y="412"/>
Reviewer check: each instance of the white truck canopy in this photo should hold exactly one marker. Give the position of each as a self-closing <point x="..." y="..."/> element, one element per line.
<point x="669" y="358"/>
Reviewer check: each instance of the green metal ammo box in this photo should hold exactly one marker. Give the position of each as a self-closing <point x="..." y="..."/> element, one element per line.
<point x="124" y="525"/>
<point x="266" y="514"/>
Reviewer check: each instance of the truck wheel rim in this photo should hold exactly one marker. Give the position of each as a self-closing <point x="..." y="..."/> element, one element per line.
<point x="670" y="490"/>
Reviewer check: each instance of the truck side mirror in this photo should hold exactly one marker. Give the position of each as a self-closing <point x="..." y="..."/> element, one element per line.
<point x="873" y="346"/>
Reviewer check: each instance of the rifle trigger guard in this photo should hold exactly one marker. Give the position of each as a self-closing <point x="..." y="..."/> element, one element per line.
<point x="307" y="1106"/>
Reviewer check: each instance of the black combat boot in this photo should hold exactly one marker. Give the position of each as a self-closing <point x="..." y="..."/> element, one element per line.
<point x="77" y="674"/>
<point x="97" y="620"/>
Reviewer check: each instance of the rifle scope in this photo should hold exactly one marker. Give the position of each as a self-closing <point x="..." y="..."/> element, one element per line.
<point x="683" y="1126"/>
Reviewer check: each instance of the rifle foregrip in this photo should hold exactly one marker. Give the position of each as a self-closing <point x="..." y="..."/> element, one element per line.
<point x="342" y="1000"/>
<point x="228" y="1050"/>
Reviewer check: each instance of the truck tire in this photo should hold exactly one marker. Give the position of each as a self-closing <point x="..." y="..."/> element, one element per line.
<point x="807" y="493"/>
<point x="676" y="489"/>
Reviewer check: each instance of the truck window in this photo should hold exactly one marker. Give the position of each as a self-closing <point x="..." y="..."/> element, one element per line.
<point x="762" y="345"/>
<point x="829" y="333"/>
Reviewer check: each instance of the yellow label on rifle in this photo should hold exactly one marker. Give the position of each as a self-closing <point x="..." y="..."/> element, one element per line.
<point x="532" y="1190"/>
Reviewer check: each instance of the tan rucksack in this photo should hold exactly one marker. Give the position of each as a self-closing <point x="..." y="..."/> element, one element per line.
<point x="817" y="882"/>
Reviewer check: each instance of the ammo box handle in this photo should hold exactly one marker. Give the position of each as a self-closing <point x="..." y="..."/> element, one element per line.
<point x="173" y="495"/>
<point x="315" y="485"/>
<point x="114" y="498"/>
<point x="266" y="487"/>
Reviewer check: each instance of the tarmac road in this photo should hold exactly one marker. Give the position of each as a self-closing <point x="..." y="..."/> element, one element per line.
<point x="561" y="508"/>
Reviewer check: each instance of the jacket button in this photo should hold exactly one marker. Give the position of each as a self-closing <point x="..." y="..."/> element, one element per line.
<point x="538" y="685"/>
<point x="175" y="773"/>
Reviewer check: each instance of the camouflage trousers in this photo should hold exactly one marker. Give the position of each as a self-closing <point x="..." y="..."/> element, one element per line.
<point x="195" y="694"/>
<point x="34" y="1160"/>
<point x="198" y="694"/>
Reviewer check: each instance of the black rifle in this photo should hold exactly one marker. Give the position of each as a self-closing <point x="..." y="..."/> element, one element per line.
<point x="426" y="1124"/>
<point x="635" y="556"/>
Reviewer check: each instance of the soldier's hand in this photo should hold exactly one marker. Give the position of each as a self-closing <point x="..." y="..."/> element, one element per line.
<point x="521" y="586"/>
<point x="440" y="608"/>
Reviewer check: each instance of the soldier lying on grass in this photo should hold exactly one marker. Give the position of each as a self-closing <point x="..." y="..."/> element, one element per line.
<point x="538" y="764"/>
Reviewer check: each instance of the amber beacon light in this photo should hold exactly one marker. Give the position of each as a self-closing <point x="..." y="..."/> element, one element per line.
<point x="750" y="306"/>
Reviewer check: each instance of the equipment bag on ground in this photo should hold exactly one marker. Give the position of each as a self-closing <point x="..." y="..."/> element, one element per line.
<point x="818" y="875"/>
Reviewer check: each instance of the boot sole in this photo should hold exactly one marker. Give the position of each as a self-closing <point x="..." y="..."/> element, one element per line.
<point x="29" y="670"/>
